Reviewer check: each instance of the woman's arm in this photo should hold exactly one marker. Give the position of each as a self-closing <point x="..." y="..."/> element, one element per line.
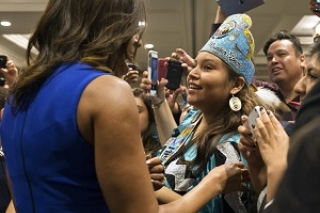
<point x="108" y="118"/>
<point x="165" y="121"/>
<point x="226" y="178"/>
<point x="166" y="195"/>
<point x="162" y="111"/>
<point x="10" y="208"/>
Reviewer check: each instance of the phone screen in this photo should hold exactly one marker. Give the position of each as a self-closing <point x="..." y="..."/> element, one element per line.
<point x="132" y="66"/>
<point x="174" y="74"/>
<point x="3" y="61"/>
<point x="153" y="71"/>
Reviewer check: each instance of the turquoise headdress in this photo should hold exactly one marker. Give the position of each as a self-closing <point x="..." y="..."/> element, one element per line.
<point x="233" y="43"/>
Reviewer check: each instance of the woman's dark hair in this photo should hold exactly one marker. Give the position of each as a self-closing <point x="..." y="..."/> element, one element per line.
<point x="315" y="50"/>
<point x="3" y="95"/>
<point x="95" y="32"/>
<point x="150" y="143"/>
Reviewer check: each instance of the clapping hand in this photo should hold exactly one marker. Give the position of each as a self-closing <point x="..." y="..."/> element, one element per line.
<point x="250" y="151"/>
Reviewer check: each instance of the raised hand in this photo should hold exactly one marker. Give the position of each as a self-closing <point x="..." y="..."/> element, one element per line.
<point x="188" y="63"/>
<point x="132" y="76"/>
<point x="181" y="55"/>
<point x="273" y="143"/>
<point x="171" y="97"/>
<point x="10" y="73"/>
<point x="250" y="151"/>
<point x="272" y="139"/>
<point x="146" y="85"/>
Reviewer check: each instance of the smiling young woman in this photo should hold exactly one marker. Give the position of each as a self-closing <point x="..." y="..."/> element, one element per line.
<point x="207" y="138"/>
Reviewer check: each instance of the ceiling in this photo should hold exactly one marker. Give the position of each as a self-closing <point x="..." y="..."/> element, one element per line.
<point x="172" y="24"/>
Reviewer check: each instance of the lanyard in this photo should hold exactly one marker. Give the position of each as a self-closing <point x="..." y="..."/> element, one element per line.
<point x="174" y="144"/>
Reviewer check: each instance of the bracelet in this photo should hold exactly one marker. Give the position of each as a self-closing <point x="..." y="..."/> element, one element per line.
<point x="157" y="106"/>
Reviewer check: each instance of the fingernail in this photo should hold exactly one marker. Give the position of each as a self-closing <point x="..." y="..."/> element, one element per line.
<point x="268" y="112"/>
<point x="253" y="126"/>
<point x="250" y="134"/>
<point x="261" y="108"/>
<point x="243" y="117"/>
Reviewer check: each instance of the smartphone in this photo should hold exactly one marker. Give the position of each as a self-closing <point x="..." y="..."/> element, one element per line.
<point x="3" y="61"/>
<point x="230" y="7"/>
<point x="153" y="71"/>
<point x="2" y="80"/>
<point x="162" y="69"/>
<point x="174" y="74"/>
<point x="254" y="114"/>
<point x="132" y="66"/>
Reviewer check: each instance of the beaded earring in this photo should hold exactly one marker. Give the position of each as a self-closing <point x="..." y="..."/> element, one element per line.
<point x="235" y="103"/>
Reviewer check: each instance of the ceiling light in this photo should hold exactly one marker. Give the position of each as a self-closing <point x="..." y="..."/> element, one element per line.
<point x="142" y="23"/>
<point x="148" y="46"/>
<point x="5" y="23"/>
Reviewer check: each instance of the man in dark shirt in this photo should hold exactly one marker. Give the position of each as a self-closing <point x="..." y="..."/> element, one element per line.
<point x="285" y="64"/>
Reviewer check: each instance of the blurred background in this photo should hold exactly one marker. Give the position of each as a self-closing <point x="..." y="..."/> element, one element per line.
<point x="171" y="24"/>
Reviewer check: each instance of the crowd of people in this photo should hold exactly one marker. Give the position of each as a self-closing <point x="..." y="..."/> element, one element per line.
<point x="97" y="152"/>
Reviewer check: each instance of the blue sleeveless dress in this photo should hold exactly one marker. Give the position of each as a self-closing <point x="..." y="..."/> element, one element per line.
<point x="51" y="166"/>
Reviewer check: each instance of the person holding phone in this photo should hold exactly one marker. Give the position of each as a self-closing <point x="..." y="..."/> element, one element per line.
<point x="132" y="76"/>
<point x="208" y="135"/>
<point x="267" y="155"/>
<point x="70" y="130"/>
<point x="9" y="71"/>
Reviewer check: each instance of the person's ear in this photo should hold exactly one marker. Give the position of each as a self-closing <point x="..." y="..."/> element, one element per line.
<point x="238" y="85"/>
<point x="303" y="61"/>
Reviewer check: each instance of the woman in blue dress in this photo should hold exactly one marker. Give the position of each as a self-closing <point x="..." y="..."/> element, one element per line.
<point x="70" y="130"/>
